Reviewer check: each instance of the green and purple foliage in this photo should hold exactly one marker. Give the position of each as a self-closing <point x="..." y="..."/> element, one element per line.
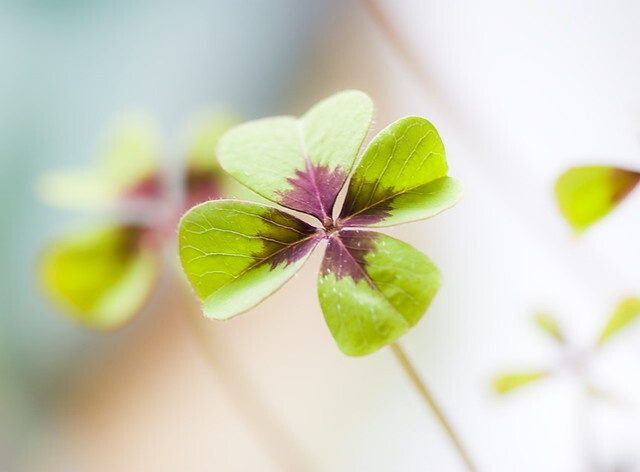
<point x="372" y="288"/>
<point x="102" y="274"/>
<point x="587" y="194"/>
<point x="625" y="313"/>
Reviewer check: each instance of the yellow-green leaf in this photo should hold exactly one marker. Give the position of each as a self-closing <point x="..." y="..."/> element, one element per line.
<point x="236" y="253"/>
<point x="549" y="325"/>
<point x="129" y="156"/>
<point x="508" y="382"/>
<point x="300" y="163"/>
<point x="626" y="312"/>
<point x="101" y="276"/>
<point x="373" y="288"/>
<point x="204" y="132"/>
<point x="587" y="194"/>
<point x="401" y="177"/>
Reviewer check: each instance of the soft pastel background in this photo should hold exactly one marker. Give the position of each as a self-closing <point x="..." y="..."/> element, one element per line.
<point x="519" y="93"/>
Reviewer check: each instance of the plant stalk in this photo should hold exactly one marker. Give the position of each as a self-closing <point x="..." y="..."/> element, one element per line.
<point x="420" y="386"/>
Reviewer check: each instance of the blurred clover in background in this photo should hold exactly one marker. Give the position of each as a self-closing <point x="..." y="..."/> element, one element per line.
<point x="576" y="359"/>
<point x="101" y="274"/>
<point x="587" y="194"/>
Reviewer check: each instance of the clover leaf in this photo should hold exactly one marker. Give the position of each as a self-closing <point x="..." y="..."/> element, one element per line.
<point x="550" y="326"/>
<point x="508" y="382"/>
<point x="625" y="313"/>
<point x="103" y="274"/>
<point x="372" y="288"/>
<point x="587" y="194"/>
<point x="129" y="156"/>
<point x="576" y="358"/>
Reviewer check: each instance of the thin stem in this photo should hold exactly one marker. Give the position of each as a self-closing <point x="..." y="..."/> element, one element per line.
<point x="426" y="396"/>
<point x="263" y="423"/>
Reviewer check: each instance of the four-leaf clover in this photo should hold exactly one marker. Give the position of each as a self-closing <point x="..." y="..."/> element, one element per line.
<point x="372" y="288"/>
<point x="102" y="274"/>
<point x="627" y="311"/>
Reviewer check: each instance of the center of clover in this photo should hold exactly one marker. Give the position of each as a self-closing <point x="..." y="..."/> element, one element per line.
<point x="330" y="226"/>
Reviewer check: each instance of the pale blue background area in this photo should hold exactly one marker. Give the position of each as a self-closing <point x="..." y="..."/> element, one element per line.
<point x="67" y="68"/>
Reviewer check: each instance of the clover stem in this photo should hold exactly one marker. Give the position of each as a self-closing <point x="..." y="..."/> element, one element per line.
<point x="428" y="398"/>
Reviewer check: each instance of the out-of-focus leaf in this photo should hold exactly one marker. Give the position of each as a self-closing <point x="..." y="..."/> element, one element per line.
<point x="626" y="312"/>
<point x="402" y="177"/>
<point x="599" y="393"/>
<point x="129" y="159"/>
<point x="549" y="325"/>
<point x="372" y="289"/>
<point x="204" y="132"/>
<point x="235" y="253"/>
<point x="586" y="194"/>
<point x="204" y="179"/>
<point x="300" y="163"/>
<point x="101" y="276"/>
<point x="508" y="382"/>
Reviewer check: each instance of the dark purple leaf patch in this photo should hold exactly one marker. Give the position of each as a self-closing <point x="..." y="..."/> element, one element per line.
<point x="314" y="190"/>
<point x="295" y="252"/>
<point x="202" y="186"/>
<point x="358" y="212"/>
<point x="345" y="254"/>
<point x="291" y="241"/>
<point x="149" y="188"/>
<point x="626" y="181"/>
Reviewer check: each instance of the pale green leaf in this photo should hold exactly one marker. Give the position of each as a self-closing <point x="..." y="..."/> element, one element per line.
<point x="509" y="382"/>
<point x="300" y="163"/>
<point x="236" y="253"/>
<point x="626" y="312"/>
<point x="129" y="156"/>
<point x="101" y="276"/>
<point x="598" y="393"/>
<point x="204" y="132"/>
<point x="401" y="177"/>
<point x="549" y="325"/>
<point x="373" y="289"/>
<point x="587" y="194"/>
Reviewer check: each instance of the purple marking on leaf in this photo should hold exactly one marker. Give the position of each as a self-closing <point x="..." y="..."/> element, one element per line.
<point x="628" y="178"/>
<point x="286" y="239"/>
<point x="295" y="252"/>
<point x="368" y="216"/>
<point x="314" y="190"/>
<point x="384" y="206"/>
<point x="201" y="186"/>
<point x="345" y="254"/>
<point x="148" y="188"/>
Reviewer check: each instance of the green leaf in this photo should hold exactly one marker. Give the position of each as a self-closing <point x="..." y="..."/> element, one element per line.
<point x="401" y="177"/>
<point x="101" y="276"/>
<point x="508" y="382"/>
<point x="626" y="312"/>
<point x="300" y="163"/>
<point x="204" y="133"/>
<point x="549" y="325"/>
<point x="236" y="253"/>
<point x="204" y="179"/>
<point x="129" y="156"/>
<point x="587" y="194"/>
<point x="373" y="289"/>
